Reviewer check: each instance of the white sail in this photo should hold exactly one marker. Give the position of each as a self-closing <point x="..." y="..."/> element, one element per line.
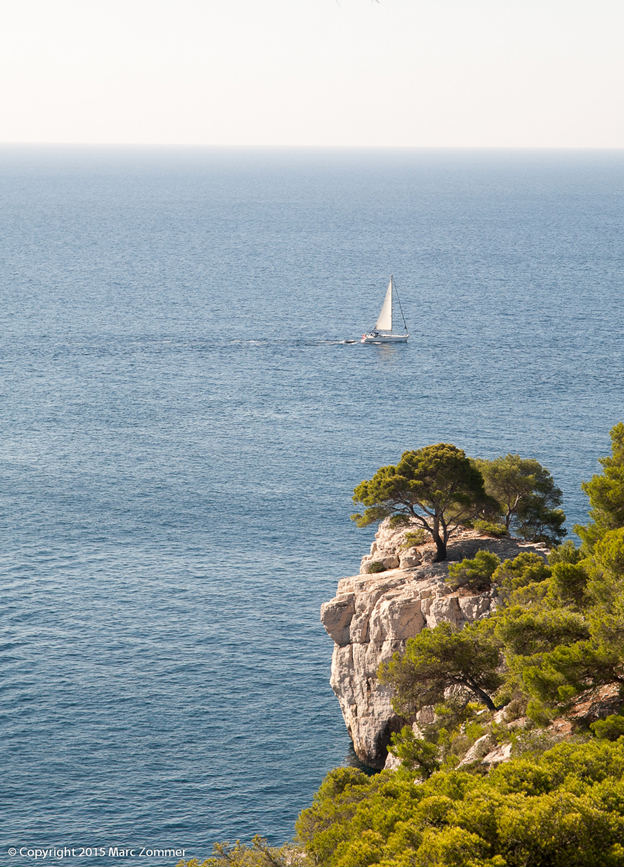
<point x="384" y="322"/>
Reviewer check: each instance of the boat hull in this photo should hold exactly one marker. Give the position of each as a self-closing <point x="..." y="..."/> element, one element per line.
<point x="384" y="338"/>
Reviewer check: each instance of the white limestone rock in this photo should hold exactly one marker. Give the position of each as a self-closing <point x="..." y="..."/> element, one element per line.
<point x="392" y="763"/>
<point x="499" y="754"/>
<point x="337" y="616"/>
<point x="396" y="616"/>
<point x="478" y="751"/>
<point x="410" y="558"/>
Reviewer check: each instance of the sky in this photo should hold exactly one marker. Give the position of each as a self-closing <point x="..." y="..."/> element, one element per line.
<point x="371" y="73"/>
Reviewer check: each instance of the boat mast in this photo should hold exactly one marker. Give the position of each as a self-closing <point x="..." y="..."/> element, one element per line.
<point x="399" y="300"/>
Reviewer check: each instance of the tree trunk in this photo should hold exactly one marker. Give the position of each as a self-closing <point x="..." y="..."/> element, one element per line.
<point x="480" y="693"/>
<point x="439" y="540"/>
<point x="441" y="548"/>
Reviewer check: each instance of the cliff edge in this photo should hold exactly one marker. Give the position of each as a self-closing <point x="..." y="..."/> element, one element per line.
<point x="373" y="614"/>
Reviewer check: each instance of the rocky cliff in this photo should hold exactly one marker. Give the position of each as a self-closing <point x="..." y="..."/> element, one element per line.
<point x="373" y="615"/>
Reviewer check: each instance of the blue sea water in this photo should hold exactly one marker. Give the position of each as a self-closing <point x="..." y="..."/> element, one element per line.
<point x="183" y="424"/>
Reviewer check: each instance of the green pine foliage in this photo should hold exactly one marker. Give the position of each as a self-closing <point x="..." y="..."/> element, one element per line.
<point x="563" y="809"/>
<point x="490" y="528"/>
<point x="438" y="489"/>
<point x="528" y="498"/>
<point x="435" y="488"/>
<point x="439" y="659"/>
<point x="611" y="728"/>
<point x="558" y="630"/>
<point x="420" y="756"/>
<point x="258" y="854"/>
<point x="414" y="538"/>
<point x="475" y="574"/>
<point x="606" y="494"/>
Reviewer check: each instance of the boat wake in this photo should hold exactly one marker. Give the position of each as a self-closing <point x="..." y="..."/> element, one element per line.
<point x="295" y="342"/>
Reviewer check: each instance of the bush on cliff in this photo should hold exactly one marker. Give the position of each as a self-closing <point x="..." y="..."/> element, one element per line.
<point x="490" y="528"/>
<point x="542" y="643"/>
<point x="563" y="809"/>
<point x="475" y="574"/>
<point x="606" y="494"/>
<point x="610" y="729"/>
<point x="258" y="854"/>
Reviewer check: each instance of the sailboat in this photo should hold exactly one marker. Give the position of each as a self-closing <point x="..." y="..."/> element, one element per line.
<point x="382" y="332"/>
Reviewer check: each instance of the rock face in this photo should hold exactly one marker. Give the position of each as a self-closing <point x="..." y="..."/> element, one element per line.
<point x="373" y="615"/>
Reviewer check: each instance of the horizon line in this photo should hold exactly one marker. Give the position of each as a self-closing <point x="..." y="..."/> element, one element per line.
<point x="370" y="147"/>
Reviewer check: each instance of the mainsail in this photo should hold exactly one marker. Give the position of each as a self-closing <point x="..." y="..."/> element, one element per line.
<point x="384" y="322"/>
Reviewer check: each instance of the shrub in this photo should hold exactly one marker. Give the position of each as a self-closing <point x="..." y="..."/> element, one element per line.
<point x="258" y="854"/>
<point x="416" y="754"/>
<point x="562" y="808"/>
<point x="475" y="574"/>
<point x="487" y="528"/>
<point x="414" y="538"/>
<point x="609" y="729"/>
<point x="527" y="568"/>
<point x="376" y="566"/>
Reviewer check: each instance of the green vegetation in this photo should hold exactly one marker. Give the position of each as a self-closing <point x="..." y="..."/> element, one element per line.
<point x="441" y="658"/>
<point x="557" y="633"/>
<point x="606" y="494"/>
<point x="610" y="729"/>
<point x="563" y="809"/>
<point x="414" y="538"/>
<point x="475" y="574"/>
<point x="437" y="487"/>
<point x="488" y="528"/>
<point x="528" y="498"/>
<point x="376" y="566"/>
<point x="258" y="854"/>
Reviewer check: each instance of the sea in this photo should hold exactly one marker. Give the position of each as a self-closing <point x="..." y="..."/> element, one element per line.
<point x="185" y="411"/>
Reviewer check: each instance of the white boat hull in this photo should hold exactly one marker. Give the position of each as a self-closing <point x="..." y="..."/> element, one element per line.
<point x="384" y="338"/>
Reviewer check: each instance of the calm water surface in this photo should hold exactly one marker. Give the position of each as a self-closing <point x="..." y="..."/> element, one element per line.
<point x="182" y="427"/>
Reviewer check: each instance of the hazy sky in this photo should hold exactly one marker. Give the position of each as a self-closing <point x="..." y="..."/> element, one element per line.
<point x="510" y="73"/>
